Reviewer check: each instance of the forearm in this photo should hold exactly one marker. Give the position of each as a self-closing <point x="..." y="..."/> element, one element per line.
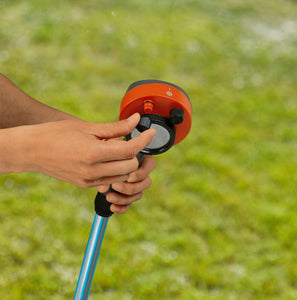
<point x="17" y="108"/>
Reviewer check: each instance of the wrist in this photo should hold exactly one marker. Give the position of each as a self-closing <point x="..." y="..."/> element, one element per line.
<point x="15" y="150"/>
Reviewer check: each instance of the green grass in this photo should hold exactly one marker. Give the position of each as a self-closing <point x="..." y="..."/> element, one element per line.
<point x="219" y="221"/>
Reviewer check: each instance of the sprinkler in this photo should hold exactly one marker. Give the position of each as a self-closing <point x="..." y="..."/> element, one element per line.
<point x="162" y="106"/>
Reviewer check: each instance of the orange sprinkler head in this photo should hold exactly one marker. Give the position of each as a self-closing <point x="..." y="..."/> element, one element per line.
<point x="163" y="106"/>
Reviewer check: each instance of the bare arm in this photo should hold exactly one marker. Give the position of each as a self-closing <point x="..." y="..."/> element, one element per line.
<point x="17" y="108"/>
<point x="86" y="154"/>
<point x="38" y="138"/>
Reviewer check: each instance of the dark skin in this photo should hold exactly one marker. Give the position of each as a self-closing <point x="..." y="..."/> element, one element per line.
<point x="37" y="138"/>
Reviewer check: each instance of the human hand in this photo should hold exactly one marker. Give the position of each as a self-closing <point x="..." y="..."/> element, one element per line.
<point x="131" y="190"/>
<point x="85" y="154"/>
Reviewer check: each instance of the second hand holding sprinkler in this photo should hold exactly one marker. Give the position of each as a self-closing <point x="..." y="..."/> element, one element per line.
<point x="162" y="106"/>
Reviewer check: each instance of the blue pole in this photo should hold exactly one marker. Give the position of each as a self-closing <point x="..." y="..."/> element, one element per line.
<point x="90" y="259"/>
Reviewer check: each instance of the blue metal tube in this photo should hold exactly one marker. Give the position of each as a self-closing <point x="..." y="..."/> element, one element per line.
<point x="91" y="256"/>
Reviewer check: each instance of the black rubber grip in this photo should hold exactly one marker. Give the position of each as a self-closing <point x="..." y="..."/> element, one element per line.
<point x="102" y="206"/>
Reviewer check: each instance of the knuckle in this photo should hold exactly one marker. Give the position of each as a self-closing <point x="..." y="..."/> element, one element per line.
<point x="130" y="190"/>
<point x="88" y="157"/>
<point x="88" y="173"/>
<point x="124" y="188"/>
<point x="118" y="187"/>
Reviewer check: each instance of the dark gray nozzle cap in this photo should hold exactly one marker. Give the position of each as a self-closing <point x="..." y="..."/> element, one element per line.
<point x="144" y="124"/>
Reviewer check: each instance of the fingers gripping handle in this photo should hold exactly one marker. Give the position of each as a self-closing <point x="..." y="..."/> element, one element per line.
<point x="102" y="206"/>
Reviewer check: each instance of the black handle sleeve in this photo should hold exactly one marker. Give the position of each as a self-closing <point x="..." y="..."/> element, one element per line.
<point x="102" y="206"/>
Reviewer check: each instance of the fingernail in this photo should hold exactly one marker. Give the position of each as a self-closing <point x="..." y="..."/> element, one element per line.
<point x="131" y="117"/>
<point x="103" y="188"/>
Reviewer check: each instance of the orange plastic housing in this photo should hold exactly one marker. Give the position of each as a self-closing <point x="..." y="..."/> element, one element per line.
<point x="158" y="97"/>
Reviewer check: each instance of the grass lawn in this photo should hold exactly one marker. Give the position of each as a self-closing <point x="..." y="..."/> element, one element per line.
<point x="219" y="221"/>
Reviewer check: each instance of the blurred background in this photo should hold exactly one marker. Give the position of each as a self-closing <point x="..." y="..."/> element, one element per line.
<point x="219" y="221"/>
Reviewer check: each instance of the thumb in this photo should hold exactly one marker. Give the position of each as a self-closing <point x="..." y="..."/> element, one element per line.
<point x="116" y="129"/>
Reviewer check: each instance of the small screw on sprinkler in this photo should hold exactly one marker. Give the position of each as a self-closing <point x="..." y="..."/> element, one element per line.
<point x="144" y="124"/>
